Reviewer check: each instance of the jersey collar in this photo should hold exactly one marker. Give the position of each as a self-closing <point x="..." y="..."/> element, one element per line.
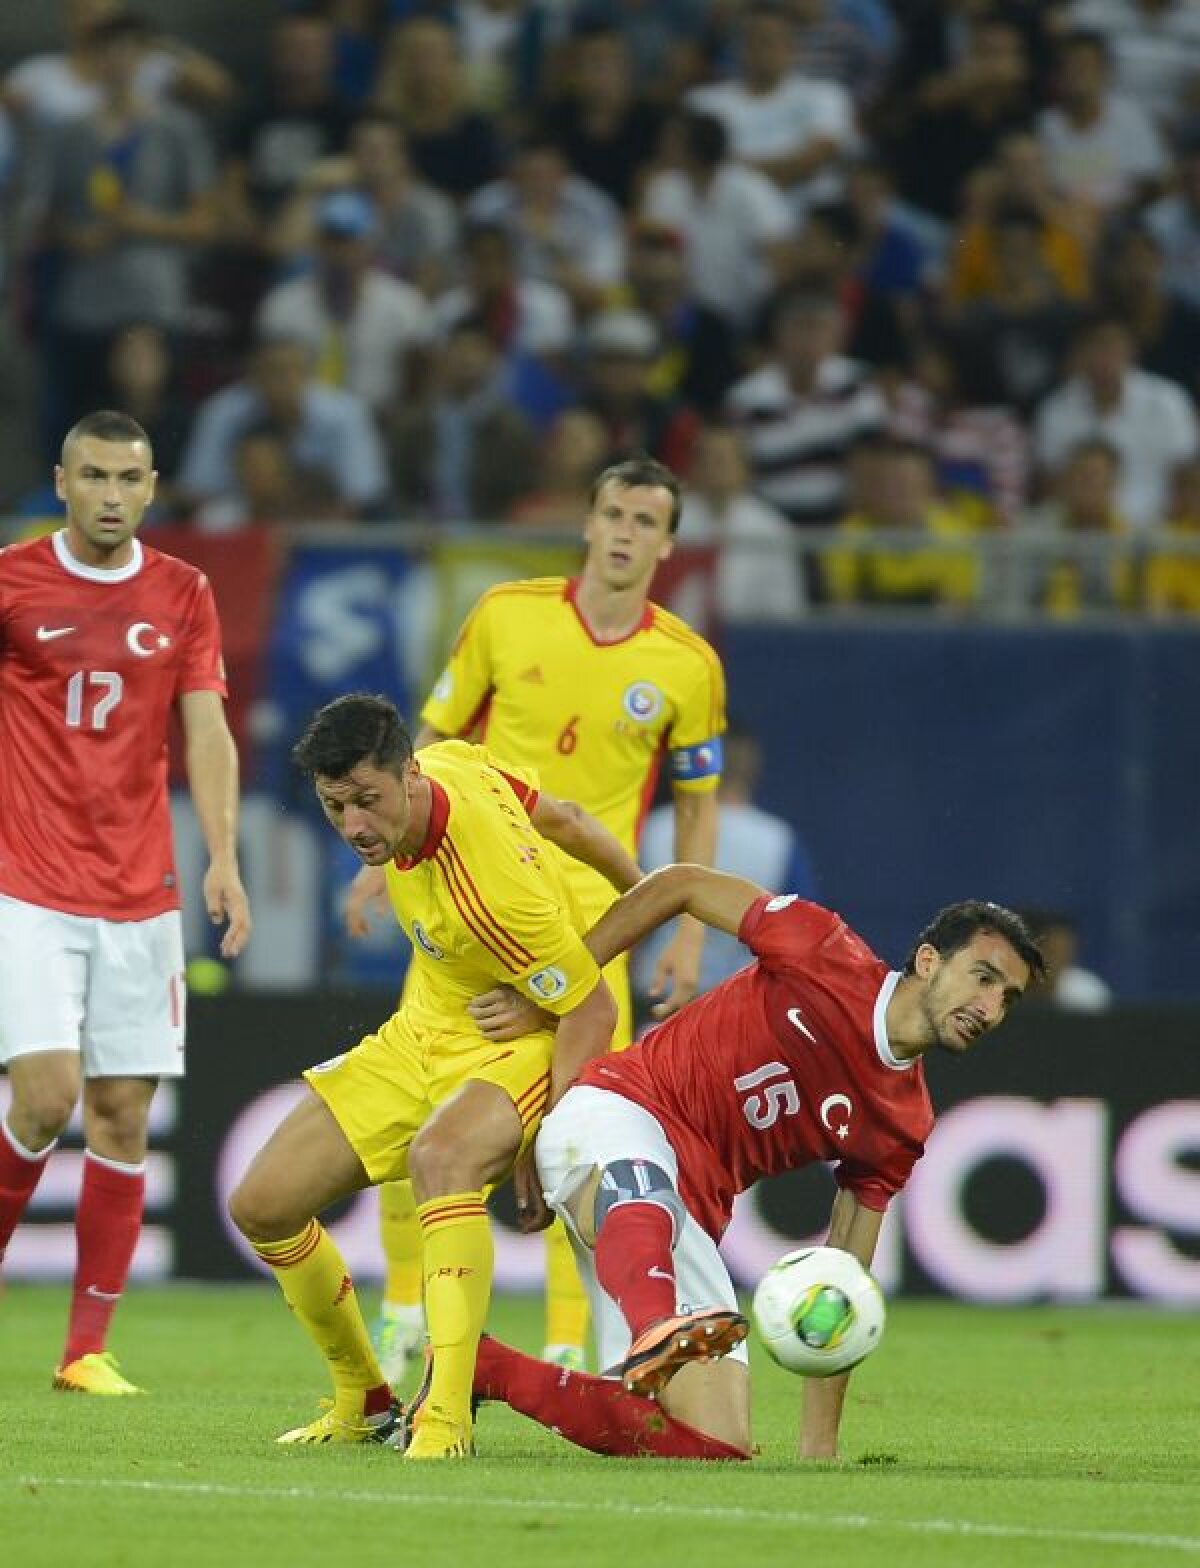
<point x="439" y="816"/>
<point x="571" y="595"/>
<point x="883" y="1045"/>
<point x="95" y="574"/>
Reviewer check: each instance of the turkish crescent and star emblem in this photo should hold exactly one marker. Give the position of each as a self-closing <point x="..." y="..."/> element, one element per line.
<point x="832" y="1102"/>
<point x="145" y="640"/>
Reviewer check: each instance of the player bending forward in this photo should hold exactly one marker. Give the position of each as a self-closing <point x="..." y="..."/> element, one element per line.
<point x="813" y="1053"/>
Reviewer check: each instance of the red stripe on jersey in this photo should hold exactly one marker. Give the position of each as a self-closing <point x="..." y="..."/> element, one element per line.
<point x="484" y="929"/>
<point x="479" y="905"/>
<point x="648" y="787"/>
<point x="571" y="595"/>
<point x="525" y="793"/>
<point x="478" y="721"/>
<point x="439" y="816"/>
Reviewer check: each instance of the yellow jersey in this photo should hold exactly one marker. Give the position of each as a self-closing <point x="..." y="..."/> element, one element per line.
<point x="596" y="719"/>
<point x="483" y="900"/>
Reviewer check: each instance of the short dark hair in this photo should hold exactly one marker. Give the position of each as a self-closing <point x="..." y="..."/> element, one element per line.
<point x="705" y="139"/>
<point x="353" y="729"/>
<point x="106" y="424"/>
<point x="953" y="927"/>
<point x="640" y="470"/>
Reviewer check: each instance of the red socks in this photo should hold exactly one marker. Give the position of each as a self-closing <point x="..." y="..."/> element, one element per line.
<point x="20" y="1172"/>
<point x="634" y="1263"/>
<point x="593" y="1412"/>
<point x="107" y="1224"/>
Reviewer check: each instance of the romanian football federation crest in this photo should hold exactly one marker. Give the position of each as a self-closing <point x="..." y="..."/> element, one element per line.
<point x="642" y="701"/>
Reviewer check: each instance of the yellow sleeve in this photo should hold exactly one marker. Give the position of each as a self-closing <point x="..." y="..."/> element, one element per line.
<point x="526" y="781"/>
<point x="463" y="687"/>
<point x="565" y="972"/>
<point x="695" y="736"/>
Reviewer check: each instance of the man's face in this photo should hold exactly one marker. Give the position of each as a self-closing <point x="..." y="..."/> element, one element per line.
<point x="107" y="486"/>
<point x="628" y="532"/>
<point x="969" y="992"/>
<point x="370" y="807"/>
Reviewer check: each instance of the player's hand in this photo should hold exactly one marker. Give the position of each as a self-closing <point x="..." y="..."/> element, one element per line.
<point x="504" y="1014"/>
<point x="225" y="899"/>
<point x="676" y="976"/>
<point x="366" y="899"/>
<point x="533" y="1213"/>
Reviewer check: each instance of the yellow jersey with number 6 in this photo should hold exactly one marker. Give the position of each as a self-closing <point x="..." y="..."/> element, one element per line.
<point x="596" y="719"/>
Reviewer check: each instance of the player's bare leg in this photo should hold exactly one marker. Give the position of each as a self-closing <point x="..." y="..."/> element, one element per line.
<point x="469" y="1142"/>
<point x="45" y="1087"/>
<point x="108" y="1221"/>
<point x="306" y="1165"/>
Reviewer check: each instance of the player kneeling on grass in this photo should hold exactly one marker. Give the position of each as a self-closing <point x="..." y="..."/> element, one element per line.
<point x="812" y="1053"/>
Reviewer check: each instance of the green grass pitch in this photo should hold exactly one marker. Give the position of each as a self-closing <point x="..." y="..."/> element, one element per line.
<point x="1056" y="1437"/>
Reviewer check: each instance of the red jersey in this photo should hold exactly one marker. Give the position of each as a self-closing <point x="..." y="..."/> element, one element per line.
<point x="91" y="663"/>
<point x="784" y="1063"/>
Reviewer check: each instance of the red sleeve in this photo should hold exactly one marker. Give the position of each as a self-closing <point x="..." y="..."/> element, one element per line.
<point x="201" y="667"/>
<point x="525" y="793"/>
<point x="875" y="1188"/>
<point x="781" y="928"/>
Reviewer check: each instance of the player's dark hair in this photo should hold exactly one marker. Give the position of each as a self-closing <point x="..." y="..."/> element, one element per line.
<point x="353" y="729"/>
<point x="953" y="927"/>
<point x="640" y="471"/>
<point x="106" y="424"/>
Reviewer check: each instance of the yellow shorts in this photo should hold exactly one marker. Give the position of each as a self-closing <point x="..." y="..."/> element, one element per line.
<point x="383" y="1091"/>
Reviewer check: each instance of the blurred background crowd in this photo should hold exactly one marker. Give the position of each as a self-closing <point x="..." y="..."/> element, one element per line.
<point x="928" y="268"/>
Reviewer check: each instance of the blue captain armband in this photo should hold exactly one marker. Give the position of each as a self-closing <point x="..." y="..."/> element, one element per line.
<point x="704" y="761"/>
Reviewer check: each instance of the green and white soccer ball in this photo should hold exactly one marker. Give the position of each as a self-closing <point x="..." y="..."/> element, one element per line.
<point x="818" y="1311"/>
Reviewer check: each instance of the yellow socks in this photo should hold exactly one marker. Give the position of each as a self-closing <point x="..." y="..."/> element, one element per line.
<point x="566" y="1301"/>
<point x="400" y="1232"/>
<point x="317" y="1286"/>
<point x="458" y="1282"/>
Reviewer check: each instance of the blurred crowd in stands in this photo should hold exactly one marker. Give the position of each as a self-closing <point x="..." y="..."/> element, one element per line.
<point x="930" y="266"/>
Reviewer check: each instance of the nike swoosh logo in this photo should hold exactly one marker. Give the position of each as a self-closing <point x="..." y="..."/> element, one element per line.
<point x="103" y="1295"/>
<point x="657" y="1273"/>
<point x="49" y="633"/>
<point x="796" y="1017"/>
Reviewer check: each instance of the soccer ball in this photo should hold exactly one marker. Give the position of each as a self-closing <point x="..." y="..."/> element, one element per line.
<point x="818" y="1311"/>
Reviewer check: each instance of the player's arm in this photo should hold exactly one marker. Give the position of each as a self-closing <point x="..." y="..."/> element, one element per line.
<point x="712" y="897"/>
<point x="678" y="965"/>
<point x="212" y="769"/>
<point x="577" y="832"/>
<point x="854" y="1228"/>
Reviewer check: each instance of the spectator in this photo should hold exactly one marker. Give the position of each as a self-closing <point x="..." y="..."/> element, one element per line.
<point x="1101" y="147"/>
<point x="363" y="327"/>
<point x="802" y="412"/>
<point x="736" y="225"/>
<point x="1172" y="580"/>
<point x="526" y="316"/>
<point x="47" y="89"/>
<point x="1155" y="45"/>
<point x="1023" y="327"/>
<point x="422" y="81"/>
<point x="850" y="42"/>
<point x="1018" y="176"/>
<point x="564" y="230"/>
<point x="465" y="453"/>
<point x="830" y="257"/>
<point x="953" y="122"/>
<point x="980" y="448"/>
<point x="143" y="382"/>
<point x="607" y="132"/>
<point x="662" y="39"/>
<point x="895" y="488"/>
<point x="572" y="454"/>
<point x="127" y="194"/>
<point x="417" y="228"/>
<point x="758" y="574"/>
<point x="1078" y="564"/>
<point x="290" y="123"/>
<point x="791" y="127"/>
<point x="266" y="487"/>
<point x="1065" y="984"/>
<point x="751" y="843"/>
<point x="1174" y="220"/>
<point x="1149" y="421"/>
<point x="895" y="255"/>
<point x="619" y="348"/>
<point x="1166" y="329"/>
<point x="329" y="435"/>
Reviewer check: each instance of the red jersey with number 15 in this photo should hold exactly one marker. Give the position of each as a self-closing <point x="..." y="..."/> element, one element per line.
<point x="91" y="662"/>
<point x="785" y="1063"/>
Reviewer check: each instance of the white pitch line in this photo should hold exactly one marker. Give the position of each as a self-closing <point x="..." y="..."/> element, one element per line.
<point x="740" y="1516"/>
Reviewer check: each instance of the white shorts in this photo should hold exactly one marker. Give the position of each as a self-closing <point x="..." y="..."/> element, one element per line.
<point x="113" y="990"/>
<point x="593" y="1127"/>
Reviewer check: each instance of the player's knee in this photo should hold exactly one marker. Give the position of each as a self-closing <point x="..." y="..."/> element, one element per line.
<point x="438" y="1163"/>
<point x="260" y="1213"/>
<point x="637" y="1181"/>
<point x="41" y="1110"/>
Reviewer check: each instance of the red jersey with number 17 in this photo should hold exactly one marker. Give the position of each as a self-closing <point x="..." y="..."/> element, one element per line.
<point x="785" y="1063"/>
<point x="91" y="662"/>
